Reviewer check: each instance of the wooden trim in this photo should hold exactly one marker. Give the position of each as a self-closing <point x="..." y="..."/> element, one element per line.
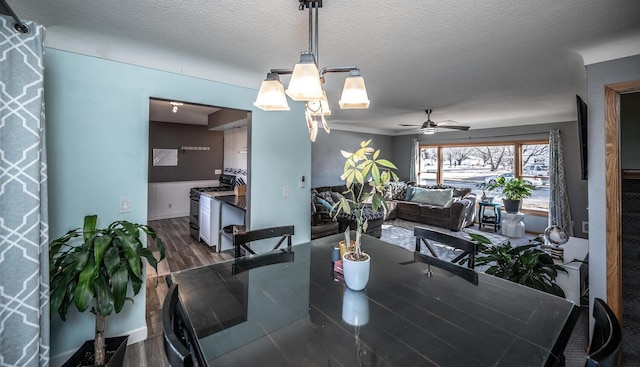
<point x="613" y="191"/>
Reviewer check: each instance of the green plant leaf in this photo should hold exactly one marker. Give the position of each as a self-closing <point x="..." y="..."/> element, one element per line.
<point x="131" y="250"/>
<point x="84" y="291"/>
<point x="101" y="244"/>
<point x="89" y="226"/>
<point x="111" y="259"/>
<point x="104" y="296"/>
<point x="119" y="282"/>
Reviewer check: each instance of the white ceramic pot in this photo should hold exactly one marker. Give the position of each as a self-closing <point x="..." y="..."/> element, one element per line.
<point x="355" y="307"/>
<point x="356" y="273"/>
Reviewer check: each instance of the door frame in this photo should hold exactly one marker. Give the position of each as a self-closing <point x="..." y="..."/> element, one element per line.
<point x="613" y="194"/>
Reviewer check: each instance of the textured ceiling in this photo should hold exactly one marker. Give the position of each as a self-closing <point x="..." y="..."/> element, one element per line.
<point x="484" y="64"/>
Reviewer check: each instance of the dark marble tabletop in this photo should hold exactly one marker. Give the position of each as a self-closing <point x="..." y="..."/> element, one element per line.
<point x="293" y="313"/>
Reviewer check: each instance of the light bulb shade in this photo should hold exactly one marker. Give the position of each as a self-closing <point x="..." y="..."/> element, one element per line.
<point x="354" y="93"/>
<point x="271" y="96"/>
<point x="305" y="84"/>
<point x="429" y="130"/>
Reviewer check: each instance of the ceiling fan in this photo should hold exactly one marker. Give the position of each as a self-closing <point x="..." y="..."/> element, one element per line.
<point x="430" y="127"/>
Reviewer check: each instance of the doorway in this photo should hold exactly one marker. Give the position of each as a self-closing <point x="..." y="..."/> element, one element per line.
<point x="614" y="196"/>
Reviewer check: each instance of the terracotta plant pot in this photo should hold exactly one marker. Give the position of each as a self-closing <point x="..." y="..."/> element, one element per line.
<point x="356" y="273"/>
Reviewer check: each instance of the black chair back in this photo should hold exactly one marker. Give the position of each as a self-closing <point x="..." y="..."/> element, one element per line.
<point x="426" y="236"/>
<point x="242" y="239"/>
<point x="606" y="343"/>
<point x="176" y="338"/>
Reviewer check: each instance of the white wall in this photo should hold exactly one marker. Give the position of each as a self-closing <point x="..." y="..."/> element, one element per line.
<point x="599" y="75"/>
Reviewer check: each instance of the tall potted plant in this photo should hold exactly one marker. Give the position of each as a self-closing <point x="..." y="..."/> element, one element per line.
<point x="96" y="267"/>
<point x="513" y="190"/>
<point x="365" y="177"/>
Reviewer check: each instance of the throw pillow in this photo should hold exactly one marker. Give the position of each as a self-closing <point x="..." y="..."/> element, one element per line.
<point x="336" y="196"/>
<point x="326" y="195"/>
<point x="409" y="194"/>
<point x="437" y="197"/>
<point x="325" y="204"/>
<point x="395" y="190"/>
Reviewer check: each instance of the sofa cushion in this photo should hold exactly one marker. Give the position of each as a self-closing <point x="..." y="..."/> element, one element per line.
<point x="437" y="197"/>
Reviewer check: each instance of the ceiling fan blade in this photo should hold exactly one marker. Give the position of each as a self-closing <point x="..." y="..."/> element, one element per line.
<point x="455" y="127"/>
<point x="447" y="122"/>
<point x="409" y="125"/>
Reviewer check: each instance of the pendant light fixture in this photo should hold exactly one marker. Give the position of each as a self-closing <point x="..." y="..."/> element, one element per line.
<point x="307" y="80"/>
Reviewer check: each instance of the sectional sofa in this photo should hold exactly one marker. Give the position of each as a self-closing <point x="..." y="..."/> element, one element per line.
<point x="443" y="206"/>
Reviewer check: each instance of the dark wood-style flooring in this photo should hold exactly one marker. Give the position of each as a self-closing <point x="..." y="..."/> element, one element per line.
<point x="182" y="252"/>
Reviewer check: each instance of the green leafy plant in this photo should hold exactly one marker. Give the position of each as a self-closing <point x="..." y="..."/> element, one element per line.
<point x="92" y="266"/>
<point x="365" y="181"/>
<point x="513" y="189"/>
<point x="526" y="264"/>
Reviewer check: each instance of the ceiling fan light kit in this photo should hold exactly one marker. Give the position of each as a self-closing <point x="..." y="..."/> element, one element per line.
<point x="306" y="82"/>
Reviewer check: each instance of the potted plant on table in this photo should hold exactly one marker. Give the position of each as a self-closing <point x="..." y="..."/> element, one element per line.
<point x="513" y="190"/>
<point x="365" y="177"/>
<point x="96" y="267"/>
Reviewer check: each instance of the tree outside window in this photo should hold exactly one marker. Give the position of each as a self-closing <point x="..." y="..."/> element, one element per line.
<point x="470" y="165"/>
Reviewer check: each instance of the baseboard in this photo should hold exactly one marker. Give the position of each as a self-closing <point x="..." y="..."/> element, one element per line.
<point x="135" y="336"/>
<point x="169" y="216"/>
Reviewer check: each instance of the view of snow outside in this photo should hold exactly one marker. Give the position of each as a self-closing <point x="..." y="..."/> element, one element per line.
<point x="471" y="165"/>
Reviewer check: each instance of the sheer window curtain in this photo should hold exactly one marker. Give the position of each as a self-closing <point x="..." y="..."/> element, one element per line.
<point x="559" y="210"/>
<point x="413" y="165"/>
<point x="24" y="232"/>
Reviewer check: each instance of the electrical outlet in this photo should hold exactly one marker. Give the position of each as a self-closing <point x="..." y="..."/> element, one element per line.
<point x="217" y="171"/>
<point x="302" y="182"/>
<point x="125" y="205"/>
<point x="285" y="191"/>
<point x="585" y="227"/>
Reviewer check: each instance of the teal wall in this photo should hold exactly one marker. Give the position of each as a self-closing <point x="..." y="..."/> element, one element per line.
<point x="97" y="115"/>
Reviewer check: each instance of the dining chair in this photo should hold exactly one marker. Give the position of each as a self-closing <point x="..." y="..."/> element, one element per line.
<point x="177" y="340"/>
<point x="241" y="240"/>
<point x="606" y="343"/>
<point x="426" y="236"/>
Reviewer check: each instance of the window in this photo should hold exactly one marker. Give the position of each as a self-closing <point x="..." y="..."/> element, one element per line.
<point x="472" y="164"/>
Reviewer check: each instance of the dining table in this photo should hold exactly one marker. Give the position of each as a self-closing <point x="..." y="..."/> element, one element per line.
<point x="290" y="308"/>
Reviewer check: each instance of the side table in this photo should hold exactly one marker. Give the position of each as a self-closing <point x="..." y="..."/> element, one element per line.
<point x="494" y="219"/>
<point x="512" y="225"/>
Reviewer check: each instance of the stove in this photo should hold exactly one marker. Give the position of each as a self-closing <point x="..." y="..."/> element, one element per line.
<point x="227" y="183"/>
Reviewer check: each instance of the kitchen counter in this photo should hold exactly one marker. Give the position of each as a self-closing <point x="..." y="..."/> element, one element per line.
<point x="213" y="194"/>
<point x="239" y="202"/>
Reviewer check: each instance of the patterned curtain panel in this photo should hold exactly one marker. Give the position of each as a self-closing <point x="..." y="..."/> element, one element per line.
<point x="413" y="168"/>
<point x="559" y="211"/>
<point x="24" y="232"/>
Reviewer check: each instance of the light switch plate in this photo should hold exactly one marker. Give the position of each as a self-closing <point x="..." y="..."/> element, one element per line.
<point x="125" y="205"/>
<point x="285" y="191"/>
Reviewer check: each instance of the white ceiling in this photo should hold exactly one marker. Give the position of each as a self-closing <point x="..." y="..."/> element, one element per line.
<point x="484" y="64"/>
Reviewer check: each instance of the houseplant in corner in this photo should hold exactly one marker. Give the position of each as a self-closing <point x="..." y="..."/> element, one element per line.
<point x="526" y="264"/>
<point x="365" y="175"/>
<point x="513" y="190"/>
<point x="95" y="267"/>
